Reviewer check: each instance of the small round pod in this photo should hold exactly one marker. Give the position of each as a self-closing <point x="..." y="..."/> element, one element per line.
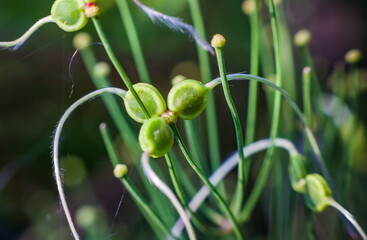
<point x="188" y="99"/>
<point x="69" y="14"/>
<point x="155" y="137"/>
<point x="318" y="192"/>
<point x="151" y="98"/>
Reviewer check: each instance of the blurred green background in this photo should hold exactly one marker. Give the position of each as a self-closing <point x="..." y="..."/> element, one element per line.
<point x="35" y="89"/>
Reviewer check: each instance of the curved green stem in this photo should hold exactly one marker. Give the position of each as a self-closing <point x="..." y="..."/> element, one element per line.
<point x="291" y="102"/>
<point x="241" y="177"/>
<point x="117" y="65"/>
<point x="206" y="181"/>
<point x="133" y="39"/>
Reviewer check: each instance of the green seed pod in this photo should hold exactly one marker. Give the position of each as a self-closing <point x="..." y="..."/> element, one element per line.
<point x="155" y="137"/>
<point x="151" y="98"/>
<point x="188" y="99"/>
<point x="69" y="14"/>
<point x="318" y="192"/>
<point x="297" y="173"/>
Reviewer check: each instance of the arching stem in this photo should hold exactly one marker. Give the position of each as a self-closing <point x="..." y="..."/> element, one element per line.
<point x="55" y="148"/>
<point x="18" y="42"/>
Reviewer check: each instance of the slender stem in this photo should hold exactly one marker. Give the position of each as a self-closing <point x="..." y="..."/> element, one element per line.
<point x="151" y="216"/>
<point x="133" y="39"/>
<point x="306" y="60"/>
<point x="144" y="206"/>
<point x="292" y="103"/>
<point x="349" y="217"/>
<point x="205" y="72"/>
<point x="113" y="107"/>
<point x="117" y="65"/>
<point x="355" y="86"/>
<point x="55" y="148"/>
<point x="227" y="166"/>
<point x="18" y="42"/>
<point x="242" y="172"/>
<point x="107" y="140"/>
<point x="195" y="144"/>
<point x="169" y="194"/>
<point x="265" y="169"/>
<point x="206" y="181"/>
<point x="254" y="70"/>
<point x="307" y="94"/>
<point x="307" y="109"/>
<point x="180" y="193"/>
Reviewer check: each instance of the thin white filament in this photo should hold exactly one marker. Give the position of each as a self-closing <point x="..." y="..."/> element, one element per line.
<point x="155" y="180"/>
<point x="175" y="24"/>
<point x="71" y="62"/>
<point x="349" y="217"/>
<point x="18" y="42"/>
<point x="55" y="148"/>
<point x="228" y="166"/>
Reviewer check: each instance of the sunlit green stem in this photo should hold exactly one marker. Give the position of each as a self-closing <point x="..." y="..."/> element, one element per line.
<point x="241" y="176"/>
<point x="206" y="181"/>
<point x="133" y="39"/>
<point x="117" y="65"/>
